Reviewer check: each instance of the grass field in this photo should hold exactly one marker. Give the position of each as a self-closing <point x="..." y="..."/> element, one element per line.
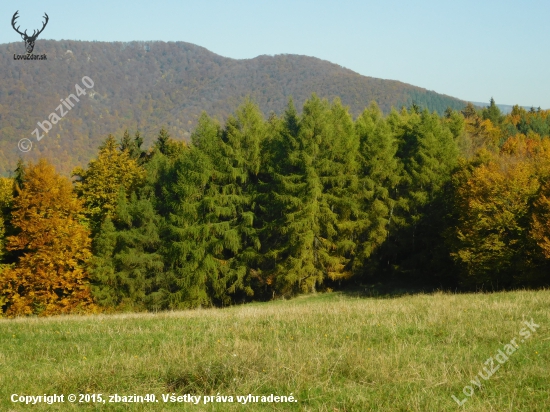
<point x="332" y="352"/>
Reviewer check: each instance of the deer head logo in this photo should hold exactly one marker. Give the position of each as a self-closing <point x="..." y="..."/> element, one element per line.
<point x="29" y="40"/>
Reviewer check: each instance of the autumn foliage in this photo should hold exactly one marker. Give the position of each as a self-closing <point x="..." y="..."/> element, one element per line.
<point x="503" y="213"/>
<point x="53" y="247"/>
<point x="259" y="208"/>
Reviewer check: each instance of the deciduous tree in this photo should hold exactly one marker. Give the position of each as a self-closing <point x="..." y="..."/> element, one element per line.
<point x="49" y="277"/>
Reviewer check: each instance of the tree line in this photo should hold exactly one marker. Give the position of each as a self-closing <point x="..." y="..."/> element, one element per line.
<point x="265" y="207"/>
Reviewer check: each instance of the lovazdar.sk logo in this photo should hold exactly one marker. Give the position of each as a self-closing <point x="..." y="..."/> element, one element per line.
<point x="29" y="40"/>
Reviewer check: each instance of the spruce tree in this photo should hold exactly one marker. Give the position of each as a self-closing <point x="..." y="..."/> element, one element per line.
<point x="380" y="175"/>
<point x="128" y="263"/>
<point x="430" y="154"/>
<point x="340" y="178"/>
<point x="132" y="146"/>
<point x="493" y="113"/>
<point x="213" y="238"/>
<point x="126" y="142"/>
<point x="315" y="178"/>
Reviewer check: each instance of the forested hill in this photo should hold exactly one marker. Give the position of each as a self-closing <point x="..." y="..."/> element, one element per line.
<point x="145" y="85"/>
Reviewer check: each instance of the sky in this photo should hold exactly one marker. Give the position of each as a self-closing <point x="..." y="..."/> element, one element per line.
<point x="472" y="50"/>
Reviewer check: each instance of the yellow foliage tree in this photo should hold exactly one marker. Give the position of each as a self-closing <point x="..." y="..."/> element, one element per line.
<point x="6" y="194"/>
<point x="497" y="230"/>
<point x="99" y="185"/>
<point x="483" y="132"/>
<point x="541" y="221"/>
<point x="493" y="226"/>
<point x="53" y="245"/>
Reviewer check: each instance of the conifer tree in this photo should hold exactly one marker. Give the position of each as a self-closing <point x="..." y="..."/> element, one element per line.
<point x="133" y="146"/>
<point x="127" y="270"/>
<point x="429" y="168"/>
<point x="299" y="192"/>
<point x="340" y="178"/>
<point x="168" y="146"/>
<point x="493" y="113"/>
<point x="162" y="142"/>
<point x="127" y="259"/>
<point x="316" y="176"/>
<point x="380" y="174"/>
<point x="428" y="153"/>
<point x="213" y="235"/>
<point x="126" y="142"/>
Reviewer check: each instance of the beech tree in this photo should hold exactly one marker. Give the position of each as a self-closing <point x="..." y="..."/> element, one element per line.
<point x="541" y="220"/>
<point x="6" y="199"/>
<point x="502" y="214"/>
<point x="49" y="277"/>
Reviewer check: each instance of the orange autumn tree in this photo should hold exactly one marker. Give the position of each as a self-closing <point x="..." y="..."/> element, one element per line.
<point x="6" y="191"/>
<point x="496" y="229"/>
<point x="48" y="278"/>
<point x="541" y="221"/>
<point x="538" y="151"/>
<point x="541" y="215"/>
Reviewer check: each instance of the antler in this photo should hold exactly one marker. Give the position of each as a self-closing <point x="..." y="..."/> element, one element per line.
<point x="13" y="19"/>
<point x="34" y="36"/>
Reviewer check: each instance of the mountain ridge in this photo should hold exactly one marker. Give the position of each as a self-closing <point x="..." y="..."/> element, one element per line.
<point x="147" y="85"/>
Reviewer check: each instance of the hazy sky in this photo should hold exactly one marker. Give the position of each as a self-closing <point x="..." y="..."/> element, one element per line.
<point x="467" y="49"/>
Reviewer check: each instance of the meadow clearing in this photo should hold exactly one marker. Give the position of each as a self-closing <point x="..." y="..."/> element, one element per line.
<point x="332" y="352"/>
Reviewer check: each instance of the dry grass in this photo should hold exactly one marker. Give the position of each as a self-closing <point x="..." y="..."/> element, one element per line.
<point x="333" y="352"/>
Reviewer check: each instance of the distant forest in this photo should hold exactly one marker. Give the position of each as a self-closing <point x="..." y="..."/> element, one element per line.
<point x="147" y="85"/>
<point x="266" y="205"/>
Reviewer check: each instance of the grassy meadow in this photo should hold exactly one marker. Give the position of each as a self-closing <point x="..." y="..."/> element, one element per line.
<point x="333" y="352"/>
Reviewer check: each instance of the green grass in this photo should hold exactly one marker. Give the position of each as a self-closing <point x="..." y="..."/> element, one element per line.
<point x="331" y="351"/>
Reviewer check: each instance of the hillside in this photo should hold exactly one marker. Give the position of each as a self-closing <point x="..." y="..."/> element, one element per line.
<point x="144" y="86"/>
